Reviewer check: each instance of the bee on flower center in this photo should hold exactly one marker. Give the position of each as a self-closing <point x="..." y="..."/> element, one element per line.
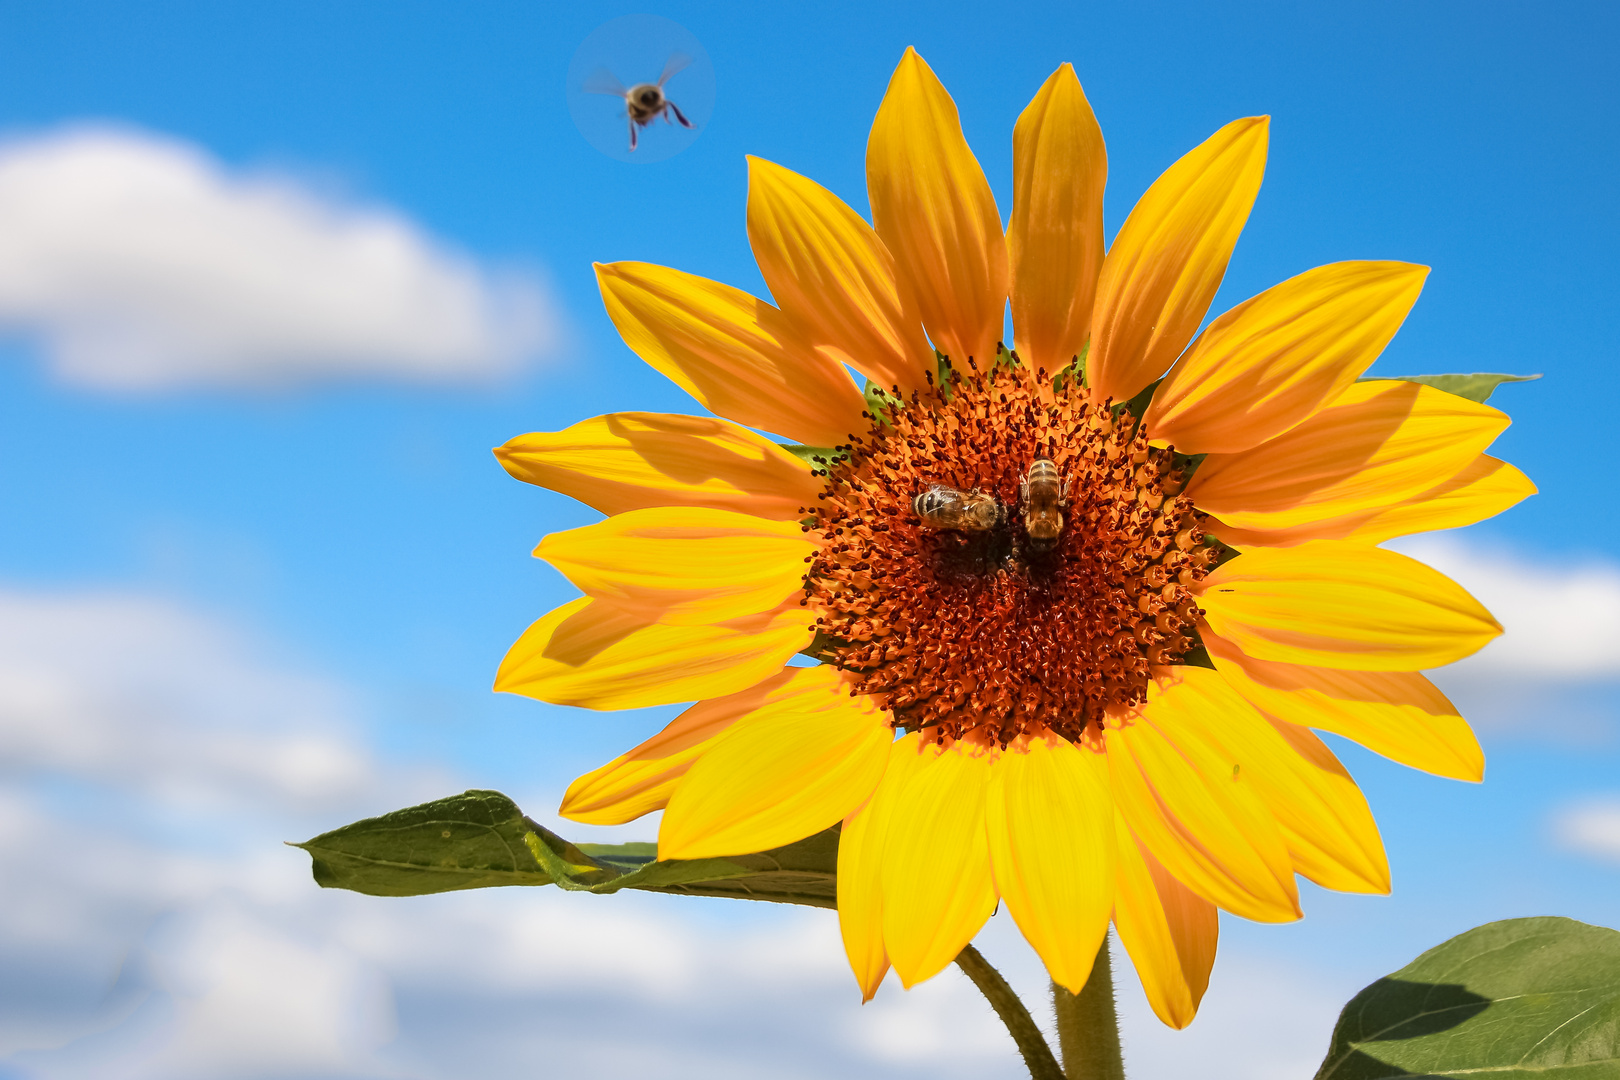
<point x="1042" y="491"/>
<point x="942" y="507"/>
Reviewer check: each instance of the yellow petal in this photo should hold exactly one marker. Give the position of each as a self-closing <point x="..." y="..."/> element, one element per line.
<point x="627" y="461"/>
<point x="1050" y="822"/>
<point x="1399" y="714"/>
<point x="596" y="654"/>
<point x="1169" y="257"/>
<point x="1484" y="489"/>
<point x="1324" y="817"/>
<point x="1168" y="930"/>
<point x="834" y="278"/>
<point x="738" y="355"/>
<point x="1340" y="604"/>
<point x="937" y="889"/>
<point x="798" y="764"/>
<point x="642" y="780"/>
<point x="683" y="565"/>
<point x="1328" y="830"/>
<point x="1271" y="361"/>
<point x="860" y="868"/>
<point x="932" y="206"/>
<point x="1187" y="801"/>
<point x="1055" y="237"/>
<point x="1376" y="444"/>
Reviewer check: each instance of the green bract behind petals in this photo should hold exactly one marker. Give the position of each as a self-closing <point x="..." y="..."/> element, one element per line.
<point x="1476" y="387"/>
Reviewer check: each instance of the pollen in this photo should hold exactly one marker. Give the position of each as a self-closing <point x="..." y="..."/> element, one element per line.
<point x="982" y="633"/>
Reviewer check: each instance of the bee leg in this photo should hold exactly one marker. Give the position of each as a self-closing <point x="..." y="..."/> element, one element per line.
<point x="632" y="135"/>
<point x="676" y="109"/>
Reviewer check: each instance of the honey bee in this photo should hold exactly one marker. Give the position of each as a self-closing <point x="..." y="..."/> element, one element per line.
<point x="1042" y="493"/>
<point x="942" y="507"/>
<point x="644" y="102"/>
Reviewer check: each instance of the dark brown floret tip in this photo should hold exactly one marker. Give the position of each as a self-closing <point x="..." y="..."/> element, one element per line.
<point x="981" y="631"/>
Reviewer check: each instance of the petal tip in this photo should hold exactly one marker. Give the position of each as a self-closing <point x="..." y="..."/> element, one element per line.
<point x="870" y="984"/>
<point x="1256" y="128"/>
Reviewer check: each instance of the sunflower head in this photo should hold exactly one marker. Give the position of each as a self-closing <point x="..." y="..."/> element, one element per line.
<point x="1076" y="605"/>
<point x="1045" y="620"/>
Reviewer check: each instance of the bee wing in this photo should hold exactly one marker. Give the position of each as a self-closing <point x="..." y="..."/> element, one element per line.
<point x="602" y="81"/>
<point x="677" y="61"/>
<point x="676" y="109"/>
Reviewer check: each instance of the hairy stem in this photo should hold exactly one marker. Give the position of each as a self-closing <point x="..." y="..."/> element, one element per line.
<point x="1088" y="1028"/>
<point x="1020" y="1025"/>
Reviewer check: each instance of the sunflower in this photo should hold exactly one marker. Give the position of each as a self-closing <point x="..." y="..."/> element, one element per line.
<point x="1094" y="700"/>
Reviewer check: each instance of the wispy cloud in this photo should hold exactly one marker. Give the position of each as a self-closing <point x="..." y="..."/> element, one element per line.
<point x="1591" y="829"/>
<point x="137" y="694"/>
<point x="141" y="263"/>
<point x="1552" y="672"/>
<point x="1558" y="621"/>
<point x="152" y="758"/>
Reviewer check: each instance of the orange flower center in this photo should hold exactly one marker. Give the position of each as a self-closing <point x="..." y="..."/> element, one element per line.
<point x="1042" y="574"/>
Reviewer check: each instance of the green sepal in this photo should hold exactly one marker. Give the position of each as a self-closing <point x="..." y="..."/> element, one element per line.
<point x="1075" y="369"/>
<point x="819" y="456"/>
<point x="1476" y="387"/>
<point x="1512" y="1000"/>
<point x="822" y="647"/>
<point x="1224" y="552"/>
<point x="1138" y="404"/>
<point x="1186" y="464"/>
<point x="480" y="839"/>
<point x="1197" y="656"/>
<point x="880" y="402"/>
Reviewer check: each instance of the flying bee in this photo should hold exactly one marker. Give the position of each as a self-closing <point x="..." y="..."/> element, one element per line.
<point x="1042" y="493"/>
<point x="942" y="507"/>
<point x="644" y="102"/>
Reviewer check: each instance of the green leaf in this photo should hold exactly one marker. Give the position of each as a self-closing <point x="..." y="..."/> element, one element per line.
<point x="1476" y="387"/>
<point x="469" y="841"/>
<point x="481" y="839"/>
<point x="1509" y="1000"/>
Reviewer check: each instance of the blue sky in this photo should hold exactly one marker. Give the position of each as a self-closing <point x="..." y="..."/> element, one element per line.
<point x="320" y="529"/>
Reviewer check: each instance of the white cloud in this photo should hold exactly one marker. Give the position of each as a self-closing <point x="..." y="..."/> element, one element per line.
<point x="135" y="950"/>
<point x="1591" y="829"/>
<point x="1260" y="1020"/>
<point x="152" y="758"/>
<point x="1558" y="621"/>
<point x="127" y="691"/>
<point x="144" y="264"/>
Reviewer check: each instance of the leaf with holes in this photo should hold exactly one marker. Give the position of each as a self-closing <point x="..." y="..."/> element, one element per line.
<point x="480" y="839"/>
<point x="1514" y="1000"/>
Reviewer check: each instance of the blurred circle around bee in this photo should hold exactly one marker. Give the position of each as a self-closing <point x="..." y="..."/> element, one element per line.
<point x="640" y="88"/>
